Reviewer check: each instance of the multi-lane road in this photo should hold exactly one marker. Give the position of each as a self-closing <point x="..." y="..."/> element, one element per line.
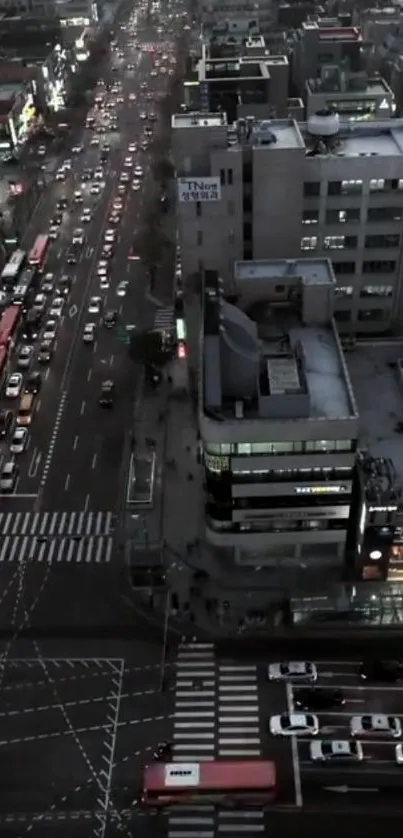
<point x="74" y="465"/>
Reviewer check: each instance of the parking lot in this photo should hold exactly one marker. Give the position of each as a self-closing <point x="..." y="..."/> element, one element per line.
<point x="379" y="770"/>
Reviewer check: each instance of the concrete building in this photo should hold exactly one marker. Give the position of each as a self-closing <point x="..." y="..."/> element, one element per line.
<point x="255" y="83"/>
<point x="273" y="189"/>
<point x="239" y="15"/>
<point x="277" y="417"/>
<point x="324" y="43"/>
<point x="83" y="10"/>
<point x="353" y="96"/>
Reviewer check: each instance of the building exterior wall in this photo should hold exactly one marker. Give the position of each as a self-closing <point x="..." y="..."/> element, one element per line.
<point x="281" y="202"/>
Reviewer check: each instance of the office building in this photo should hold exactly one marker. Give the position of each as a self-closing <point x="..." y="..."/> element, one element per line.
<point x="272" y="189"/>
<point x="321" y="43"/>
<point x="277" y="418"/>
<point x="354" y="96"/>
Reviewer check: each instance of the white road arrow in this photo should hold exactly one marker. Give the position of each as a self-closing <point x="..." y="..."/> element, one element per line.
<point x="346" y="789"/>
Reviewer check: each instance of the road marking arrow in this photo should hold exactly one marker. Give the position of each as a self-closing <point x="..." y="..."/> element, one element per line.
<point x="346" y="789"/>
<point x="73" y="310"/>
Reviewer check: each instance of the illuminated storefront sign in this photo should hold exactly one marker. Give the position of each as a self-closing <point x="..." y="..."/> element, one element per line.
<point x="321" y="490"/>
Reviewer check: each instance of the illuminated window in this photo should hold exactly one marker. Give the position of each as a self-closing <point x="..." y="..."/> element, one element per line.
<point x="309" y="242"/>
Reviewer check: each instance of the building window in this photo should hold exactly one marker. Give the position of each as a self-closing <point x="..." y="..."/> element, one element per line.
<point x="231" y="207"/>
<point x="230" y="177"/>
<point x="312" y="188"/>
<point x="309" y="242"/>
<point x="379" y="266"/>
<point x="343" y="291"/>
<point x="247" y="173"/>
<point x="377" y="184"/>
<point x="382" y="242"/>
<point x="384" y="214"/>
<point x="310" y="217"/>
<point x="394" y="184"/>
<point x="247" y="231"/>
<point x="372" y="315"/>
<point x="351" y="187"/>
<point x="376" y="291"/>
<point x="199" y="237"/>
<point x="247" y="203"/>
<point x="342" y="316"/>
<point x="328" y="445"/>
<point x="341" y="268"/>
<point x="222" y="177"/>
<point x="339" y="242"/>
<point x="198" y="209"/>
<point x="344" y="216"/>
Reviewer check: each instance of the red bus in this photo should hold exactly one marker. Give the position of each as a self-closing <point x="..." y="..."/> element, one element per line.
<point x="8" y="324"/>
<point x="37" y="256"/>
<point x="3" y="363"/>
<point x="250" y="783"/>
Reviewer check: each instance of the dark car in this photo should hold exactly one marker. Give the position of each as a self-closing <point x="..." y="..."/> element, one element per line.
<point x="110" y="318"/>
<point x="62" y="204"/>
<point x="381" y="670"/>
<point x="57" y="219"/>
<point x="64" y="284"/>
<point x="45" y="352"/>
<point x="31" y="325"/>
<point x="87" y="175"/>
<point x="71" y="257"/>
<point x="33" y="383"/>
<point x="318" y="698"/>
<point x="6" y="418"/>
<point x="107" y="394"/>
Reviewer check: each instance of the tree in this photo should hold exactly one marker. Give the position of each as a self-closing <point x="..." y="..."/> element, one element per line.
<point x="163" y="170"/>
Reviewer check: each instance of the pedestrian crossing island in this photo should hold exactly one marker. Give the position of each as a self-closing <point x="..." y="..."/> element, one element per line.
<point x="56" y="537"/>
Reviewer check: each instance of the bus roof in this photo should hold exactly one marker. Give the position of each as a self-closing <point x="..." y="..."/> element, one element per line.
<point x="210" y="775"/>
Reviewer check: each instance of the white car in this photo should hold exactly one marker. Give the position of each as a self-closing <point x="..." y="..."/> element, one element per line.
<point x="14" y="385"/>
<point x="19" y="441"/>
<point x="124" y="177"/>
<point x="78" y="197"/>
<point x="47" y="284"/>
<point x="95" y="142"/>
<point x="99" y="174"/>
<point x="335" y="751"/>
<point x="61" y="175"/>
<point x="399" y="754"/>
<point x="56" y="307"/>
<point x="376" y="724"/>
<point x="294" y="724"/>
<point x="138" y="172"/>
<point x="77" y="149"/>
<point x="42" y="150"/>
<point x="25" y="357"/>
<point x="102" y="267"/>
<point x="95" y="189"/>
<point x="67" y="164"/>
<point x="78" y="236"/>
<point x="122" y="288"/>
<point x="86" y="216"/>
<point x="109" y="236"/>
<point x="104" y="283"/>
<point x="107" y="251"/>
<point x="143" y="115"/>
<point x="117" y="205"/>
<point x="94" y="306"/>
<point x="39" y="302"/>
<point x="297" y="671"/>
<point x="53" y="231"/>
<point x="49" y="332"/>
<point x="128" y="162"/>
<point x="136" y="185"/>
<point x="89" y="333"/>
<point x="132" y="146"/>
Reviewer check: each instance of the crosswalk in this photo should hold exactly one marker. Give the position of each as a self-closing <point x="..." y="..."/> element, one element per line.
<point x="164" y="319"/>
<point x="216" y="716"/>
<point x="56" y="537"/>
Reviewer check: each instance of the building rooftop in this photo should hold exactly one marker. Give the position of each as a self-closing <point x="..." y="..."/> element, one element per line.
<point x="273" y="133"/>
<point x="383" y="138"/>
<point x="198" y="120"/>
<point x="264" y="355"/>
<point x="355" y="86"/>
<point x="376" y="376"/>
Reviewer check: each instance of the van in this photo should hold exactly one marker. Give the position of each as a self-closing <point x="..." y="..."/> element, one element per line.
<point x="25" y="409"/>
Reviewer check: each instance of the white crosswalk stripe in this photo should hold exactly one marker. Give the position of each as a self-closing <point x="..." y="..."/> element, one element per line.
<point x="56" y="537"/>
<point x="56" y="523"/>
<point x="164" y="319"/>
<point x="216" y="717"/>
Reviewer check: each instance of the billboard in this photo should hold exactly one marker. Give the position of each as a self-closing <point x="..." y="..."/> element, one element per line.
<point x="194" y="190"/>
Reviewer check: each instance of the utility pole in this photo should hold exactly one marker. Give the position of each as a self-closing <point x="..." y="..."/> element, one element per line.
<point x="165" y="641"/>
